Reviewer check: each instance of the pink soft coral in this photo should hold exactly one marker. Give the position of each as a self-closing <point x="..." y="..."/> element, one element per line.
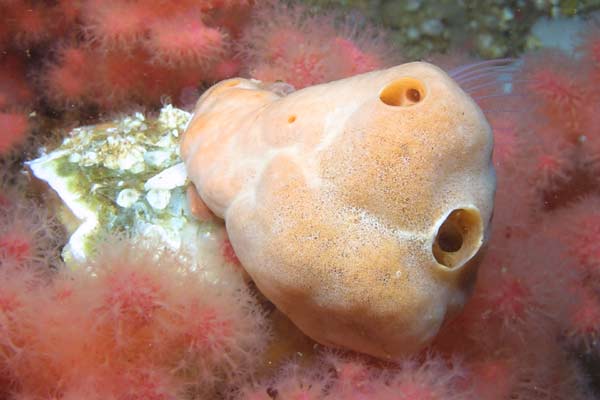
<point x="155" y="326"/>
<point x="14" y="128"/>
<point x="287" y="43"/>
<point x="160" y="48"/>
<point x="557" y="93"/>
<point x="14" y="89"/>
<point x="66" y="82"/>
<point x="583" y="328"/>
<point x="116" y="24"/>
<point x="342" y="377"/>
<point x="30" y="236"/>
<point x="186" y="40"/>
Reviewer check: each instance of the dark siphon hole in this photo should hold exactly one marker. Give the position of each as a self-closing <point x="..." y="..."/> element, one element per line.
<point x="450" y="238"/>
<point x="413" y="95"/>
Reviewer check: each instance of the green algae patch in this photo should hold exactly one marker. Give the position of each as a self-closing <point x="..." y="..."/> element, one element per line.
<point x="123" y="176"/>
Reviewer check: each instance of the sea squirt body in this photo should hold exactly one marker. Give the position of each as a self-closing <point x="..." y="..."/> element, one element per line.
<point x="359" y="207"/>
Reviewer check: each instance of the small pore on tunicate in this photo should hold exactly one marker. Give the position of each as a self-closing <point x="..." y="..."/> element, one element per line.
<point x="458" y="238"/>
<point x="403" y="92"/>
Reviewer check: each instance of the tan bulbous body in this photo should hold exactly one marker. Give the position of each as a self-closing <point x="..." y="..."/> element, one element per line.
<point x="358" y="206"/>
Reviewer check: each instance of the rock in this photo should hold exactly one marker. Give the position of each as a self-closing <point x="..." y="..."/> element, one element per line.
<point x="124" y="176"/>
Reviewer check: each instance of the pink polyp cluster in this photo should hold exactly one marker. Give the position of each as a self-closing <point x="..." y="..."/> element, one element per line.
<point x="109" y="55"/>
<point x="284" y="43"/>
<point x="135" y="322"/>
<point x="90" y="55"/>
<point x="338" y="376"/>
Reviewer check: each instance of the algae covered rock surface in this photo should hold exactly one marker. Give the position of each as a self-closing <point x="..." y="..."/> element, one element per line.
<point x="122" y="176"/>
